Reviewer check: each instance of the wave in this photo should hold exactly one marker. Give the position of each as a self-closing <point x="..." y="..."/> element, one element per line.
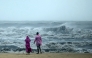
<point x="61" y="29"/>
<point x="62" y="34"/>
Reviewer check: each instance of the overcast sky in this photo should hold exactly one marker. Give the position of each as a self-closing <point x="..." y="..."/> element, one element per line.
<point x="37" y="10"/>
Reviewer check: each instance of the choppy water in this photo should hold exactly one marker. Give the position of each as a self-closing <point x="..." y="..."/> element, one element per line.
<point x="68" y="36"/>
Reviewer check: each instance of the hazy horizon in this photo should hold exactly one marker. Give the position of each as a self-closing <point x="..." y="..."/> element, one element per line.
<point x="45" y="10"/>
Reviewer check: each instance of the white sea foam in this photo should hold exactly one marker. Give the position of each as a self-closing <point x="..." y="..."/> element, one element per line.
<point x="63" y="33"/>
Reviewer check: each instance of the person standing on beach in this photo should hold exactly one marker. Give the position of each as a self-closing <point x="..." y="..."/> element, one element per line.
<point x="38" y="42"/>
<point x="27" y="45"/>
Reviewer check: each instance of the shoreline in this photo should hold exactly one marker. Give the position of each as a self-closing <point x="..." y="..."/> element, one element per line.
<point x="22" y="50"/>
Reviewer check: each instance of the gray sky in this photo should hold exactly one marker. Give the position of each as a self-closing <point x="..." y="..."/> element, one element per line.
<point x="37" y="10"/>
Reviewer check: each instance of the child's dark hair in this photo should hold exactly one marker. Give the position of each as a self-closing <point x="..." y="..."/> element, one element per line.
<point x="37" y="33"/>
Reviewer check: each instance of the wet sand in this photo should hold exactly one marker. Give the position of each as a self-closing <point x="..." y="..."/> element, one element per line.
<point x="46" y="55"/>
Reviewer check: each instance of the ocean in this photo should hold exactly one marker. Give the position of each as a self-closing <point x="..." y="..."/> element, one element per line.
<point x="61" y="36"/>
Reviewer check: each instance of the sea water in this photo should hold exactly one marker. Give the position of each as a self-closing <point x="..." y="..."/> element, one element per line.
<point x="68" y="36"/>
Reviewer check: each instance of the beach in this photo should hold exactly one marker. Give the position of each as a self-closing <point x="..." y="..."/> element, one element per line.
<point x="46" y="55"/>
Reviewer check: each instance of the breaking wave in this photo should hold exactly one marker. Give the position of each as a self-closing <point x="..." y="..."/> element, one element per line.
<point x="67" y="36"/>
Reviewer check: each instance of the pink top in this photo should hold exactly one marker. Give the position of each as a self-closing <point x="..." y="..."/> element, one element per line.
<point x="38" y="40"/>
<point x="27" y="40"/>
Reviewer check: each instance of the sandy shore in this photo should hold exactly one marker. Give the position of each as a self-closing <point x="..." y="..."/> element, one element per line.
<point x="46" y="55"/>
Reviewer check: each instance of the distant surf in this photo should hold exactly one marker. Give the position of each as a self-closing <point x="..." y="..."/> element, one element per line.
<point x="74" y="36"/>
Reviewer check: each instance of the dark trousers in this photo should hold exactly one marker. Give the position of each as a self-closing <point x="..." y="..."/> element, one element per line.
<point x="38" y="48"/>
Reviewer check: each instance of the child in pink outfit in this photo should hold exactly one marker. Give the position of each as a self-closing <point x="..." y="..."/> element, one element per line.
<point x="38" y="41"/>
